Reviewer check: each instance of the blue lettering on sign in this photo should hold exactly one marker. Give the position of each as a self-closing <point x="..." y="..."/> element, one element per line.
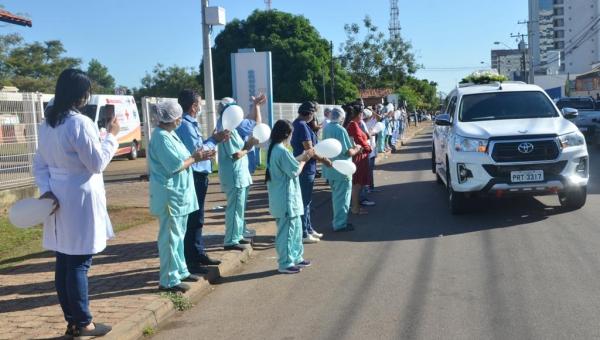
<point x="251" y="87"/>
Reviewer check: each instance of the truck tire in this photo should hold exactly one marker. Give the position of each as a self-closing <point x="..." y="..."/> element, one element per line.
<point x="133" y="154"/>
<point x="457" y="201"/>
<point x="573" y="198"/>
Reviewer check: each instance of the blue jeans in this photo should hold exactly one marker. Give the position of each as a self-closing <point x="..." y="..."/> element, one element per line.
<point x="307" y="183"/>
<point x="372" y="172"/>
<point x="193" y="243"/>
<point x="71" y="281"/>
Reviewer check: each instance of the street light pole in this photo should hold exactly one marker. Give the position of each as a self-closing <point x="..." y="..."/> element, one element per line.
<point x="332" y="73"/>
<point x="209" y="94"/>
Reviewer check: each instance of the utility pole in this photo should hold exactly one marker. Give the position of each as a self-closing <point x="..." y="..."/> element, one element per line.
<point x="209" y="94"/>
<point x="324" y="89"/>
<point x="530" y="48"/>
<point x="523" y="49"/>
<point x="332" y="73"/>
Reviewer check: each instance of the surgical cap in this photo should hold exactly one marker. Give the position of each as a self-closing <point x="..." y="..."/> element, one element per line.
<point x="225" y="102"/>
<point x="168" y="112"/>
<point x="337" y="115"/>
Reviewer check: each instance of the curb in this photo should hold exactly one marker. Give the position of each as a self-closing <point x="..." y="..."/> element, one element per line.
<point x="157" y="312"/>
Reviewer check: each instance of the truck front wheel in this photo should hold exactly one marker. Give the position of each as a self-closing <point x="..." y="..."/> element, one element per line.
<point x="573" y="198"/>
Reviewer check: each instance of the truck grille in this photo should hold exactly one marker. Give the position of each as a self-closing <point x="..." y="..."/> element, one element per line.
<point x="543" y="150"/>
<point x="503" y="171"/>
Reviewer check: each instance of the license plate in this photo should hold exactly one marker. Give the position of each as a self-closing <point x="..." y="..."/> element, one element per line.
<point x="527" y="176"/>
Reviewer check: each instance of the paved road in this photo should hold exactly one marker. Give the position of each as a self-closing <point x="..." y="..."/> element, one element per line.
<point x="517" y="269"/>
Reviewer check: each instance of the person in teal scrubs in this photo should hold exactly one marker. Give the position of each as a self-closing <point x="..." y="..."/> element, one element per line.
<point x="341" y="185"/>
<point x="235" y="181"/>
<point x="285" y="198"/>
<point x="172" y="195"/>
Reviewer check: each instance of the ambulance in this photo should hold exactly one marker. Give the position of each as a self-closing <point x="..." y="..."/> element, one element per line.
<point x="124" y="108"/>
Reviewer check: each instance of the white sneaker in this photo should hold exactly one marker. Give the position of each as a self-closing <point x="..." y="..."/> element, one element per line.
<point x="317" y="235"/>
<point x="248" y="233"/>
<point x="310" y="239"/>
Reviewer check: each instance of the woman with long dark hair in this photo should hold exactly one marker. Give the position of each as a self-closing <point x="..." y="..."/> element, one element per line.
<point x="68" y="169"/>
<point x="285" y="198"/>
<point x="361" y="159"/>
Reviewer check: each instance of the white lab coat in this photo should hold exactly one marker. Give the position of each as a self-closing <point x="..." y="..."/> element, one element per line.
<point x="69" y="162"/>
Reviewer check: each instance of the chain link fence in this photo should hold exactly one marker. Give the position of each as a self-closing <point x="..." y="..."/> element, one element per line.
<point x="20" y="114"/>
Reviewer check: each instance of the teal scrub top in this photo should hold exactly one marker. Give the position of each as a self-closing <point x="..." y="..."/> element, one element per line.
<point x="232" y="173"/>
<point x="285" y="197"/>
<point x="336" y="131"/>
<point x="171" y="191"/>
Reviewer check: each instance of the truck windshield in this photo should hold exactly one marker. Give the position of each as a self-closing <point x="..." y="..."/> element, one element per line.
<point x="505" y="105"/>
<point x="579" y="104"/>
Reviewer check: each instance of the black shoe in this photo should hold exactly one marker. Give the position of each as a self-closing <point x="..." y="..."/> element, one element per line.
<point x="182" y="287"/>
<point x="192" y="278"/>
<point x="198" y="270"/>
<point x="205" y="260"/>
<point x="245" y="241"/>
<point x="239" y="247"/>
<point x="100" y="330"/>
<point x="349" y="227"/>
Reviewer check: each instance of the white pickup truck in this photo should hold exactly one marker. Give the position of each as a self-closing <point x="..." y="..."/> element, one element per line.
<point x="505" y="139"/>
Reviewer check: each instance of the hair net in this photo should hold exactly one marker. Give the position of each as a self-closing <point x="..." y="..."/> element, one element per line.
<point x="337" y="115"/>
<point x="168" y="112"/>
<point x="225" y="102"/>
<point x="367" y="113"/>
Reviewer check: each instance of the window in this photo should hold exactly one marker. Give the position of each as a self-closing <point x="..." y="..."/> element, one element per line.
<point x="559" y="45"/>
<point x="559" y="11"/>
<point x="559" y="34"/>
<point x="559" y="2"/>
<point x="451" y="108"/>
<point x="559" y="22"/>
<point x="505" y="105"/>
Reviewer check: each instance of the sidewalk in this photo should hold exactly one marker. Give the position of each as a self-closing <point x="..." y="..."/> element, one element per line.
<point x="124" y="278"/>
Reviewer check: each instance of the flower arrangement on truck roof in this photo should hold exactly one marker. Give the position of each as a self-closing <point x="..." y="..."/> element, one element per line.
<point x="483" y="77"/>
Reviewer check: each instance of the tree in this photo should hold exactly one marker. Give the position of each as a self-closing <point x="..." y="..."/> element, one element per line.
<point x="300" y="57"/>
<point x="168" y="82"/>
<point x="102" y="81"/>
<point x="374" y="60"/>
<point x="34" y="66"/>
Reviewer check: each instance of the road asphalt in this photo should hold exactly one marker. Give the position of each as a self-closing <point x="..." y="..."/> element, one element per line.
<point x="520" y="268"/>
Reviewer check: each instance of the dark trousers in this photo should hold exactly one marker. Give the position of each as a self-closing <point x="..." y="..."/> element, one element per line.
<point x="371" y="172"/>
<point x="193" y="244"/>
<point x="71" y="281"/>
<point x="307" y="183"/>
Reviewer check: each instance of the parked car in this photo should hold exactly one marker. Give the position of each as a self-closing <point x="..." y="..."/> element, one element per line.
<point x="508" y="139"/>
<point x="588" y="118"/>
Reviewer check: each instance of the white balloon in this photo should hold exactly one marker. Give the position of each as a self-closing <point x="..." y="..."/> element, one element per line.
<point x="378" y="128"/>
<point x="345" y="167"/>
<point x="262" y="132"/>
<point x="30" y="212"/>
<point x="328" y="148"/>
<point x="232" y="117"/>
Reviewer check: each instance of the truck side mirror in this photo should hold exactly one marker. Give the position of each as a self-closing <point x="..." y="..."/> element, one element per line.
<point x="570" y="113"/>
<point x="443" y="120"/>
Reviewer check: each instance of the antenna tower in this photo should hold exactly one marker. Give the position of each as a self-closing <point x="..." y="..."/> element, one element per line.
<point x="268" y="3"/>
<point x="394" y="20"/>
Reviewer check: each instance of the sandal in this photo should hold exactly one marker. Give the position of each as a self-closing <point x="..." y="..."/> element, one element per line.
<point x="99" y="330"/>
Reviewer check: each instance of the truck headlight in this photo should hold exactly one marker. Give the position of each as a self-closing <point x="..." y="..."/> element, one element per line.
<point x="464" y="144"/>
<point x="571" y="139"/>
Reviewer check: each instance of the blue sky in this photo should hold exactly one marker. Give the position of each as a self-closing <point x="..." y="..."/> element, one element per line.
<point x="450" y="38"/>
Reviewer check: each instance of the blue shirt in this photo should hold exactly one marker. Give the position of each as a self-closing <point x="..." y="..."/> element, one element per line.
<point x="303" y="133"/>
<point x="245" y="130"/>
<point x="190" y="135"/>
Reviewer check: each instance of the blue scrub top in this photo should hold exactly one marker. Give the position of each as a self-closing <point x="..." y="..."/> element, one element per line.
<point x="245" y="130"/>
<point x="285" y="197"/>
<point x="303" y="133"/>
<point x="336" y="131"/>
<point x="190" y="135"/>
<point x="171" y="191"/>
<point x="233" y="173"/>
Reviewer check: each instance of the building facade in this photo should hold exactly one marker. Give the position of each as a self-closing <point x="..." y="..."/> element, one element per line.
<point x="564" y="35"/>
<point x="511" y="63"/>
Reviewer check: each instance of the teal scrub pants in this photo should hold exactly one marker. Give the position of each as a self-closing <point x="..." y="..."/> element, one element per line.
<point x="170" y="250"/>
<point x="247" y="195"/>
<point x="288" y="241"/>
<point x="341" y="192"/>
<point x="234" y="215"/>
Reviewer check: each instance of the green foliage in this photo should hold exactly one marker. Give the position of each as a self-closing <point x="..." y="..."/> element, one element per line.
<point x="32" y="66"/>
<point x="413" y="99"/>
<point x="180" y="302"/>
<point x="424" y="90"/>
<point x="149" y="331"/>
<point x="300" y="57"/>
<point x="374" y="60"/>
<point x="102" y="81"/>
<point x="168" y="82"/>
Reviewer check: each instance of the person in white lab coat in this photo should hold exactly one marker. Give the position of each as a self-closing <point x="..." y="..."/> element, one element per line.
<point x="68" y="169"/>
